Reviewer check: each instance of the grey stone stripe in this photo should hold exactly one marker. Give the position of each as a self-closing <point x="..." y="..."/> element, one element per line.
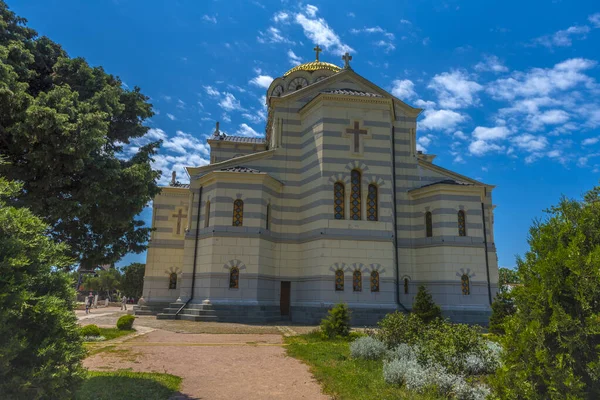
<point x="369" y="149"/>
<point x="247" y="214"/>
<point x="401" y="130"/>
<point x="406" y="119"/>
<point x="166" y="243"/>
<point x="442" y="240"/>
<point x="287" y="121"/>
<point x="310" y="278"/>
<point x="377" y="123"/>
<point x="402" y="142"/>
<point x="287" y="110"/>
<point x="164" y="230"/>
<point x="438" y="197"/>
<point x="164" y="206"/>
<point x="377" y="136"/>
<point x="455" y="225"/>
<point x="161" y="218"/>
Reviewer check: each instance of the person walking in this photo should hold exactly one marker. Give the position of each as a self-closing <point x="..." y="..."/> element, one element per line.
<point x="87" y="306"/>
<point x="90" y="302"/>
<point x="124" y="303"/>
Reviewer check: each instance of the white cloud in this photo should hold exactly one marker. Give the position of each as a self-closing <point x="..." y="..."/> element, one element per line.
<point x="171" y="117"/>
<point x="425" y="104"/>
<point x="403" y="89"/>
<point x="183" y="143"/>
<point x="351" y="15"/>
<point x="374" y="29"/>
<point x="263" y="81"/>
<point x="481" y="147"/>
<point x="211" y="91"/>
<point x="293" y="58"/>
<point x="180" y="103"/>
<point x="530" y="142"/>
<point x="405" y="21"/>
<point x="230" y="103"/>
<point x="245" y="130"/>
<point x="495" y="133"/>
<point x="595" y="20"/>
<point x="455" y="89"/>
<point x="154" y="134"/>
<point x="272" y="35"/>
<point x="460" y="135"/>
<point x="550" y="117"/>
<point x="590" y="141"/>
<point x="281" y="16"/>
<point x="311" y="10"/>
<point x="492" y="64"/>
<point x="318" y="31"/>
<point x="209" y="18"/>
<point x="444" y="120"/>
<point x="387" y="46"/>
<point x="541" y="82"/>
<point x="563" y="38"/>
<point x="424" y="141"/>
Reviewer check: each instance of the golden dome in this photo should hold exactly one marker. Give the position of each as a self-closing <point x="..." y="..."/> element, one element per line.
<point x="314" y="66"/>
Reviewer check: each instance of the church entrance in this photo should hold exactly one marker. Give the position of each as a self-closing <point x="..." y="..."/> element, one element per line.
<point x="284" y="299"/>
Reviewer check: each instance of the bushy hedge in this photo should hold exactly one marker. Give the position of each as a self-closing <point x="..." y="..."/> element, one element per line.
<point x="90" y="330"/>
<point x="337" y="322"/>
<point x="125" y="322"/>
<point x="368" y="348"/>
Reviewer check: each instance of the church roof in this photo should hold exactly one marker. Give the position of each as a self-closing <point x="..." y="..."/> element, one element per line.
<point x="314" y="66"/>
<point x="447" y="182"/>
<point x="352" y="92"/>
<point x="240" y="139"/>
<point x="241" y="169"/>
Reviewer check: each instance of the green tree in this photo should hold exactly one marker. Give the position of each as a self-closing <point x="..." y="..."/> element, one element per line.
<point x="424" y="307"/>
<point x="506" y="276"/>
<point x="107" y="281"/>
<point x="503" y="306"/>
<point x="552" y="341"/>
<point x="337" y="322"/>
<point x="133" y="280"/>
<point x="63" y="125"/>
<point x="40" y="346"/>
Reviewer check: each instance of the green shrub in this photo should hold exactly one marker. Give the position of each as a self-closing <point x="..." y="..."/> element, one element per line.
<point x="90" y="330"/>
<point x="397" y="328"/>
<point x="503" y="306"/>
<point x="367" y="348"/>
<point x="337" y="322"/>
<point x="424" y="307"/>
<point x="125" y="322"/>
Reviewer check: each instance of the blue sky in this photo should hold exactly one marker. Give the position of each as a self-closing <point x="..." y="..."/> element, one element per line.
<point x="510" y="88"/>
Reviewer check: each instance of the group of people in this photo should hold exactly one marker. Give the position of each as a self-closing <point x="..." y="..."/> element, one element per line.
<point x="89" y="303"/>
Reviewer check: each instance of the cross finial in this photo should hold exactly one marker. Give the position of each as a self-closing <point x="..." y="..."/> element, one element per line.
<point x="347" y="57"/>
<point x="318" y="50"/>
<point x="173" y="178"/>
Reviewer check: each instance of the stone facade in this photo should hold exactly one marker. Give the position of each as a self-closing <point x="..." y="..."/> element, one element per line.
<point x="323" y="124"/>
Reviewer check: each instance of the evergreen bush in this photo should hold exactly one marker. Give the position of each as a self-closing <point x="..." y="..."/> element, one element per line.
<point x="503" y="306"/>
<point x="125" y="322"/>
<point x="424" y="307"/>
<point x="90" y="330"/>
<point x="367" y="348"/>
<point x="397" y="328"/>
<point x="337" y="322"/>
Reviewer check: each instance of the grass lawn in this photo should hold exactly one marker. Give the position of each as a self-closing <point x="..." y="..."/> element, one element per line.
<point x="113" y="333"/>
<point x="342" y="377"/>
<point x="127" y="385"/>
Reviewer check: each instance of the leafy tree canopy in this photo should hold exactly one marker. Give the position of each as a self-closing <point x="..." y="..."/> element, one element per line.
<point x="63" y="125"/>
<point x="40" y="346"/>
<point x="552" y="341"/>
<point x="133" y="280"/>
<point x="506" y="276"/>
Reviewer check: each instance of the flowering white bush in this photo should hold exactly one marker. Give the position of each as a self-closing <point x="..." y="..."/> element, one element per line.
<point x="367" y="348"/>
<point x="93" y="338"/>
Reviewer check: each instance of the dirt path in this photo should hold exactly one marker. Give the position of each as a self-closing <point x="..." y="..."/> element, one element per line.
<point x="216" y="366"/>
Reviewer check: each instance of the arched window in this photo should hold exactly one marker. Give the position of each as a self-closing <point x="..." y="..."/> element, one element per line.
<point x="173" y="280"/>
<point x="234" y="278"/>
<point x="357" y="281"/>
<point x="338" y="200"/>
<point x="238" y="213"/>
<point x="374" y="281"/>
<point x="355" y="212"/>
<point x="428" y="224"/>
<point x="339" y="280"/>
<point x="465" y="285"/>
<point x="372" y="203"/>
<point x="405" y="285"/>
<point x="268" y="218"/>
<point x="462" y="228"/>
<point x="207" y="214"/>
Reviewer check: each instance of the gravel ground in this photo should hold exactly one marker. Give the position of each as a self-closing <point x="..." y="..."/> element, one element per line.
<point x="216" y="366"/>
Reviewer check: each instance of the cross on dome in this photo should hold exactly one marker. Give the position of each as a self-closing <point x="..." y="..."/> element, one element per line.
<point x="347" y="57"/>
<point x="318" y="50"/>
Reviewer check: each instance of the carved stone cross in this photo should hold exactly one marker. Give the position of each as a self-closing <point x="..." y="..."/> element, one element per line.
<point x="318" y="50"/>
<point x="356" y="132"/>
<point x="179" y="216"/>
<point x="347" y="57"/>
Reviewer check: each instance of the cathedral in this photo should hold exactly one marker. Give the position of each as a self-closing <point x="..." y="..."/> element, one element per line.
<point x="334" y="204"/>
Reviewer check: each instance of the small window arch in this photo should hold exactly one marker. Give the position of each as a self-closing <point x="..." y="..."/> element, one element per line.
<point x="372" y="211"/>
<point x="465" y="285"/>
<point x="172" y="280"/>
<point x="339" y="280"/>
<point x="238" y="212"/>
<point x="428" y="224"/>
<point x="207" y="214"/>
<point x="355" y="192"/>
<point x="234" y="278"/>
<point x="357" y="281"/>
<point x="405" y="285"/>
<point x="462" y="227"/>
<point x="338" y="200"/>
<point x="374" y="281"/>
<point x="268" y="218"/>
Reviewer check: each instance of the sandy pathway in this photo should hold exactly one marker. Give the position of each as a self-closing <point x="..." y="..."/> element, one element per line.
<point x="217" y="366"/>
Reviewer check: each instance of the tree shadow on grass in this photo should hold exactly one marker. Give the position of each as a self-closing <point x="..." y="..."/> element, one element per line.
<point x="127" y="385"/>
